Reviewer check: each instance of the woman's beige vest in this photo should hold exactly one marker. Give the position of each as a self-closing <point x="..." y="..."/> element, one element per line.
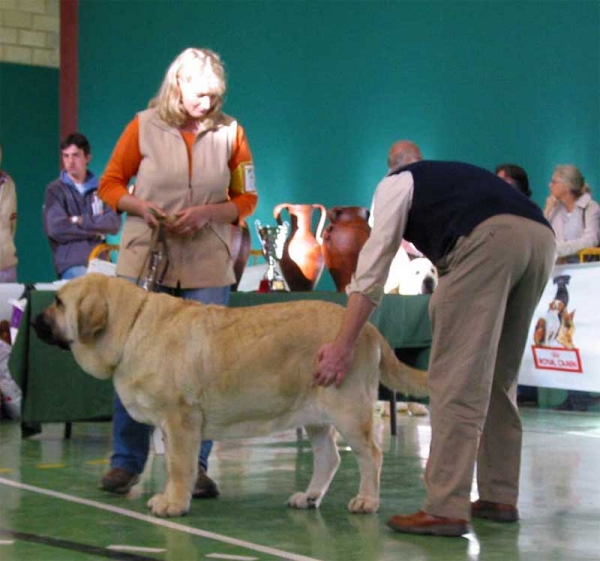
<point x="203" y="259"/>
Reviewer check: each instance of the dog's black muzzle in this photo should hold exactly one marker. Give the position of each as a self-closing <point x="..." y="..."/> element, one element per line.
<point x="43" y="330"/>
<point x="428" y="285"/>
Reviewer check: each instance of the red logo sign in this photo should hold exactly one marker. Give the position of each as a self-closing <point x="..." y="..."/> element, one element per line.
<point x="557" y="358"/>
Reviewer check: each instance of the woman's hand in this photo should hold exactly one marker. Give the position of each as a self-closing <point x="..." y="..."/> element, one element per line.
<point x="151" y="213"/>
<point x="189" y="221"/>
<point x="551" y="203"/>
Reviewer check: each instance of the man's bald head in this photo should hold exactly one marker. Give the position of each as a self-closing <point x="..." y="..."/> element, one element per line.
<point x="402" y="153"/>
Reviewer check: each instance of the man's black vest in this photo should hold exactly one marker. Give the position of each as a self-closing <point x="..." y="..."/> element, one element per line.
<point x="450" y="199"/>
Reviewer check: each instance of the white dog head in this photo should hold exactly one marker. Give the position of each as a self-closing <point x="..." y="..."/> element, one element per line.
<point x="406" y="276"/>
<point x="419" y="277"/>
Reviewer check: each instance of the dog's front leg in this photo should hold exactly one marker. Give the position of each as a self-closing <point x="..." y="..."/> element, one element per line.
<point x="182" y="444"/>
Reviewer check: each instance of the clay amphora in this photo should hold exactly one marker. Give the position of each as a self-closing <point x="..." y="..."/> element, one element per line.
<point x="240" y="250"/>
<point x="302" y="261"/>
<point x="343" y="239"/>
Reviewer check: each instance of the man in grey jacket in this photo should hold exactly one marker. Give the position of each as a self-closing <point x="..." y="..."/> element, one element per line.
<point x="75" y="219"/>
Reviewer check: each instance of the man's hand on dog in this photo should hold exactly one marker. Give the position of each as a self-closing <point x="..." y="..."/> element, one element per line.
<point x="333" y="361"/>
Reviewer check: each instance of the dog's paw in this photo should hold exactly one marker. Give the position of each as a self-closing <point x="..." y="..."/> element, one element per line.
<point x="363" y="505"/>
<point x="417" y="409"/>
<point x="161" y="506"/>
<point x="304" y="501"/>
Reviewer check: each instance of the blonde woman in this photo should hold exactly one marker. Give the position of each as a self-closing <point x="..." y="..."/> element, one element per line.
<point x="192" y="163"/>
<point x="573" y="214"/>
<point x="8" y="226"/>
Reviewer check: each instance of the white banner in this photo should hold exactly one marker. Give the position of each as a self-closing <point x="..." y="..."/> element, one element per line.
<point x="563" y="350"/>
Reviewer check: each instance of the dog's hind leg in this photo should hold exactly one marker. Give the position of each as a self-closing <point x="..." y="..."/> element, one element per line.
<point x="360" y="437"/>
<point x="326" y="460"/>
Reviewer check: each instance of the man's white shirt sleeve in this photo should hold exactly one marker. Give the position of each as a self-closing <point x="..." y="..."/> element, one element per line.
<point x="391" y="203"/>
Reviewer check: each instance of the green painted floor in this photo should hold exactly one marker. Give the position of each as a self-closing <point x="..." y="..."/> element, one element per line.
<point x="52" y="510"/>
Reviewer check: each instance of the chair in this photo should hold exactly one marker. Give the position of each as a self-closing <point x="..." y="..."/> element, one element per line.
<point x="589" y="254"/>
<point x="103" y="251"/>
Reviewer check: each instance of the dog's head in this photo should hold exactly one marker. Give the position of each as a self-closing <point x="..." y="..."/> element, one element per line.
<point x="91" y="316"/>
<point x="568" y="320"/>
<point x="77" y="315"/>
<point x="556" y="306"/>
<point x="419" y="277"/>
<point x="561" y="281"/>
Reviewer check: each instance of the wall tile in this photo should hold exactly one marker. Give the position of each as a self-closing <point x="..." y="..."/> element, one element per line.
<point x="32" y="38"/>
<point x="14" y="18"/>
<point x="23" y="55"/>
<point x="8" y="35"/>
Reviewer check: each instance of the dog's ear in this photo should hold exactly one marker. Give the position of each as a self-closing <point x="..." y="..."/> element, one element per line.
<point x="92" y="316"/>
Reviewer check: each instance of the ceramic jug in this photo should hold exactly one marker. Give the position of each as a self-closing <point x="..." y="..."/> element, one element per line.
<point x="343" y="239"/>
<point x="302" y="260"/>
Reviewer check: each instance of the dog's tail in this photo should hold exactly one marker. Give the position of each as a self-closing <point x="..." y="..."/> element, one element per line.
<point x="399" y="376"/>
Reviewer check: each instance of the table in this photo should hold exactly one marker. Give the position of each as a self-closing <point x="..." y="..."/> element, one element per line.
<point x="55" y="389"/>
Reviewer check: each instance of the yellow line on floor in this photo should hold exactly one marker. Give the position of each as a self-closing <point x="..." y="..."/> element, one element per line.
<point x="50" y="466"/>
<point x="97" y="462"/>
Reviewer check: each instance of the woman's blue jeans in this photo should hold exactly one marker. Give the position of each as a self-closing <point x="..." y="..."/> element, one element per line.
<point x="132" y="439"/>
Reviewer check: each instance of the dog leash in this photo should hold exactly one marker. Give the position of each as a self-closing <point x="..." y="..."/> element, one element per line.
<point x="156" y="262"/>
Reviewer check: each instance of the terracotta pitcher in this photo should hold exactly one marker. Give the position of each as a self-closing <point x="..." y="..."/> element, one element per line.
<point x="343" y="239"/>
<point x="302" y="261"/>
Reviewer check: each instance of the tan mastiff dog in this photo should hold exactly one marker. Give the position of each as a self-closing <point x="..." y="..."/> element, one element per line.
<point x="213" y="372"/>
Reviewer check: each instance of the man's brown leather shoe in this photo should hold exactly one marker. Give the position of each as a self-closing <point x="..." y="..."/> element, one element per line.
<point x="497" y="512"/>
<point x="423" y="523"/>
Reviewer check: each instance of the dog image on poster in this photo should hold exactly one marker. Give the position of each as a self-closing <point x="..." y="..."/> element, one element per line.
<point x="557" y="327"/>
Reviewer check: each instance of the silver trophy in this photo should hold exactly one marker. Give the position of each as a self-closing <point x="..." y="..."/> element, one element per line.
<point x="272" y="239"/>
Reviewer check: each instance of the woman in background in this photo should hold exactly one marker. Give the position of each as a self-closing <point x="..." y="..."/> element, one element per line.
<point x="192" y="164"/>
<point x="8" y="226"/>
<point x="575" y="219"/>
<point x="573" y="214"/>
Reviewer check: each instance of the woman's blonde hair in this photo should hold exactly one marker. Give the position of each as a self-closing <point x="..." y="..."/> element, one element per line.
<point x="573" y="178"/>
<point x="168" y="99"/>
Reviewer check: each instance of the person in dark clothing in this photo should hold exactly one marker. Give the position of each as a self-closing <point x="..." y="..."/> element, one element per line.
<point x="516" y="176"/>
<point x="494" y="252"/>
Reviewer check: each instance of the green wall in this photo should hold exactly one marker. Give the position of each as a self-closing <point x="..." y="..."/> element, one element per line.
<point x="29" y="134"/>
<point x="324" y="87"/>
